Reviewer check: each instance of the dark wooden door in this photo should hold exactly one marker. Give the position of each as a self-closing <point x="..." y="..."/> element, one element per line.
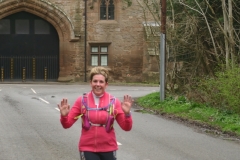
<point x="29" y="48"/>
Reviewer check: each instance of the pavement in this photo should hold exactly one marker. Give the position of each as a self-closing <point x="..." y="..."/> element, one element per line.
<point x="76" y="83"/>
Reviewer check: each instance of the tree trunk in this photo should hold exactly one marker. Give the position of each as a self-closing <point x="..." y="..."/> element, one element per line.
<point x="230" y="32"/>
<point x="225" y="33"/>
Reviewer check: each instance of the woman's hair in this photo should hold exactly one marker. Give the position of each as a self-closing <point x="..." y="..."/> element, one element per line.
<point x="99" y="70"/>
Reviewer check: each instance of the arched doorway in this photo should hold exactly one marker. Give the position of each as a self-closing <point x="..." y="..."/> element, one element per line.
<point x="29" y="48"/>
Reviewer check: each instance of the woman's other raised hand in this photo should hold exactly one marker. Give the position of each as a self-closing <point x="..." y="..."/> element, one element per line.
<point x="64" y="107"/>
<point x="127" y="104"/>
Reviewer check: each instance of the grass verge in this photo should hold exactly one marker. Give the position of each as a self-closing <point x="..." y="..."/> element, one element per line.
<point x="224" y="121"/>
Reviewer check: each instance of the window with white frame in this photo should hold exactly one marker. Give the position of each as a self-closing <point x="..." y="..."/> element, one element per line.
<point x="99" y="55"/>
<point x="107" y="10"/>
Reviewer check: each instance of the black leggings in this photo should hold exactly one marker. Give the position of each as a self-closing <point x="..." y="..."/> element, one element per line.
<point x="98" y="155"/>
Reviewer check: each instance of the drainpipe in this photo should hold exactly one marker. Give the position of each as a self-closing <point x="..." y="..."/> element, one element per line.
<point x="85" y="42"/>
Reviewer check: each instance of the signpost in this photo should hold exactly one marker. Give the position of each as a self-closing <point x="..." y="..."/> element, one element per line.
<point x="162" y="54"/>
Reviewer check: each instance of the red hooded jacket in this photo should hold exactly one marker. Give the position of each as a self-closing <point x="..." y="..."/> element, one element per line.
<point x="96" y="139"/>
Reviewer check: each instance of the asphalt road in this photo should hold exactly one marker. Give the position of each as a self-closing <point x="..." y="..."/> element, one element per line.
<point x="30" y="129"/>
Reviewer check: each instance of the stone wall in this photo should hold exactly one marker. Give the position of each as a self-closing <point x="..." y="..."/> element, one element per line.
<point x="127" y="60"/>
<point x="126" y="36"/>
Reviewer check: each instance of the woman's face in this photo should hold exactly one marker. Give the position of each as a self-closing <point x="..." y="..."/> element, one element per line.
<point x="98" y="84"/>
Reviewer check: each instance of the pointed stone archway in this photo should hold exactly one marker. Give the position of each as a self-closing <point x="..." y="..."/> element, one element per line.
<point x="53" y="15"/>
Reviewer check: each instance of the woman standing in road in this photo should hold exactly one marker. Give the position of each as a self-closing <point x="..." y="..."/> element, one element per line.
<point x="98" y="110"/>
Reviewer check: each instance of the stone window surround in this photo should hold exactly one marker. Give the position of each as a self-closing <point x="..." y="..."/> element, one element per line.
<point x="107" y="5"/>
<point x="117" y="5"/>
<point x="99" y="45"/>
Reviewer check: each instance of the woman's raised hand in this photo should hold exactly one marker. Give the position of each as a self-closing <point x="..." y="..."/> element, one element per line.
<point x="64" y="107"/>
<point x="127" y="104"/>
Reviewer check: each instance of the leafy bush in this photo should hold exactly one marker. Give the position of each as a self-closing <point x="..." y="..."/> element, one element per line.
<point x="223" y="91"/>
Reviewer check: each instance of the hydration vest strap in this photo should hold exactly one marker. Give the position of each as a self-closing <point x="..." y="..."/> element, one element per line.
<point x="97" y="125"/>
<point x="109" y="107"/>
<point x="86" y="123"/>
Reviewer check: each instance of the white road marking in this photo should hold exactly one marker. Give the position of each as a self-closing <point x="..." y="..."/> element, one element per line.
<point x="119" y="144"/>
<point x="33" y="91"/>
<point x="57" y="109"/>
<point x="44" y="100"/>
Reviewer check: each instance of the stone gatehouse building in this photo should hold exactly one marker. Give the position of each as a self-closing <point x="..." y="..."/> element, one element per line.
<point x="64" y="39"/>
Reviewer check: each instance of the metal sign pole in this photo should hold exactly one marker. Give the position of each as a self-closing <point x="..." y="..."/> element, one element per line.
<point x="162" y="49"/>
